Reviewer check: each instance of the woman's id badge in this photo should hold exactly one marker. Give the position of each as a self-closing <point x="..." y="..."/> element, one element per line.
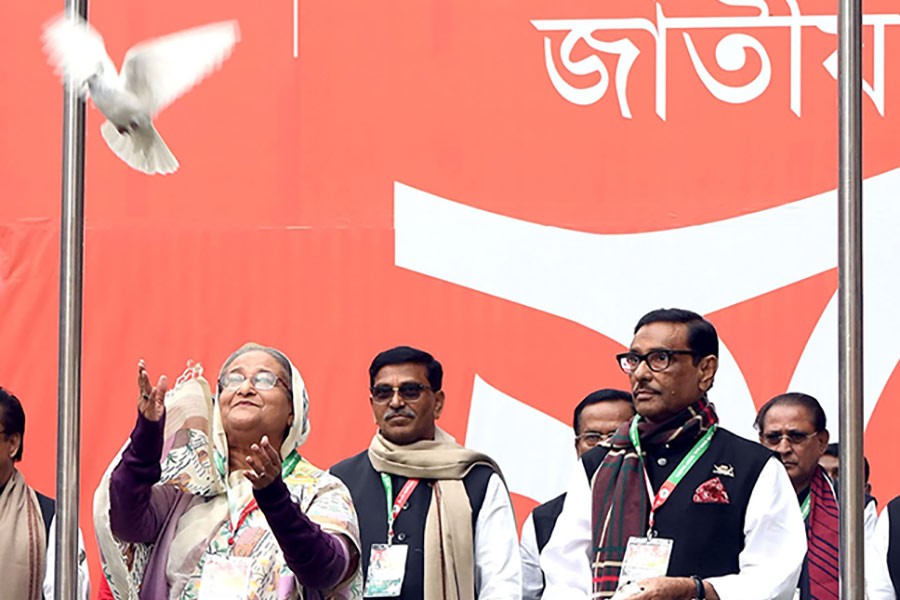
<point x="387" y="566"/>
<point x="225" y="578"/>
<point x="644" y="558"/>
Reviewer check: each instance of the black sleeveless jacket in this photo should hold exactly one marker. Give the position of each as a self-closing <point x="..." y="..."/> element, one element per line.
<point x="368" y="495"/>
<point x="708" y="537"/>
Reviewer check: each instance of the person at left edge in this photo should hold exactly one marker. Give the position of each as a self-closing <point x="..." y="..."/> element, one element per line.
<point x="453" y="512"/>
<point x="27" y="520"/>
<point x="212" y="500"/>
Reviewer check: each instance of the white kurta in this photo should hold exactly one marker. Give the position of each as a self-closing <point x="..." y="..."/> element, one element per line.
<point x="498" y="568"/>
<point x="532" y="576"/>
<point x="870" y="518"/>
<point x="878" y="580"/>
<point x="770" y="563"/>
<point x="84" y="580"/>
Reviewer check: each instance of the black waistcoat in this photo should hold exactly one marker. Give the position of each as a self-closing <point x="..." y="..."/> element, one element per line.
<point x="708" y="537"/>
<point x="893" y="554"/>
<point x="544" y="518"/>
<point x="368" y="495"/>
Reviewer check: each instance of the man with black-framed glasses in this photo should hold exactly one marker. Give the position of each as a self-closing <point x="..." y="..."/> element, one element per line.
<point x="676" y="507"/>
<point x="435" y="518"/>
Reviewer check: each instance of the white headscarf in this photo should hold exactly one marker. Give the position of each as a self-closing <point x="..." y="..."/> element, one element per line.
<point x="299" y="429"/>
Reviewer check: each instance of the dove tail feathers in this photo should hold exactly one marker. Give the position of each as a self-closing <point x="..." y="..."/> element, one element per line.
<point x="142" y="149"/>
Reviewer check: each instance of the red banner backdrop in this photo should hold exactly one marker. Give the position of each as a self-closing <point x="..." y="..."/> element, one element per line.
<point x="509" y="185"/>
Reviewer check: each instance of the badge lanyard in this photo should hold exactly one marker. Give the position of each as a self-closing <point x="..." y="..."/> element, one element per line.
<point x="804" y="508"/>
<point x="397" y="505"/>
<point x="286" y="469"/>
<point x="677" y="475"/>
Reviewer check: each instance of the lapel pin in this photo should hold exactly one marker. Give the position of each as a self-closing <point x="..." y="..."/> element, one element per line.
<point x="725" y="470"/>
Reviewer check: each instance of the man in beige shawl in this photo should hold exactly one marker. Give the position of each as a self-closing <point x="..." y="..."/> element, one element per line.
<point x="447" y="507"/>
<point x="26" y="519"/>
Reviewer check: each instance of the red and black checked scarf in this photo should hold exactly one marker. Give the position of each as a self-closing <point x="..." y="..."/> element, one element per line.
<point x="620" y="505"/>
<point x="822" y="539"/>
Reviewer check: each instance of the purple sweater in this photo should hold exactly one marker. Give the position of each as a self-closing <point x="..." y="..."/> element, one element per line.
<point x="138" y="510"/>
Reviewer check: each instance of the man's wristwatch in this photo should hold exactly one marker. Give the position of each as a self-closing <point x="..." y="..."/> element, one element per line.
<point x="700" y="594"/>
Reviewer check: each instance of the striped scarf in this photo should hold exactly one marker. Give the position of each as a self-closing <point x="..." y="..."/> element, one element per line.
<point x="620" y="505"/>
<point x="23" y="552"/>
<point x="822" y="539"/>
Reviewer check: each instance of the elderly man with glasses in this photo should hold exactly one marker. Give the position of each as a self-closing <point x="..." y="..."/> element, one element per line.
<point x="677" y="507"/>
<point x="595" y="419"/>
<point x="435" y="518"/>
<point x="793" y="425"/>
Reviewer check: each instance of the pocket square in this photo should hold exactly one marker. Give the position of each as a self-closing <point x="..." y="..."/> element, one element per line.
<point x="711" y="491"/>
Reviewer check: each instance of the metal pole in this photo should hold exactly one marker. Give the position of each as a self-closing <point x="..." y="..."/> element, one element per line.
<point x="850" y="297"/>
<point x="70" y="296"/>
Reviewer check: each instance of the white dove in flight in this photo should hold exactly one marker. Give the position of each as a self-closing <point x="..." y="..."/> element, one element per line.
<point x="154" y="74"/>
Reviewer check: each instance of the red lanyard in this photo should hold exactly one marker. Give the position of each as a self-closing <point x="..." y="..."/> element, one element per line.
<point x="251" y="506"/>
<point x="405" y="492"/>
<point x="290" y="463"/>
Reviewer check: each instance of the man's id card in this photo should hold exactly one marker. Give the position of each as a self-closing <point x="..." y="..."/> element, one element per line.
<point x="387" y="566"/>
<point x="644" y="558"/>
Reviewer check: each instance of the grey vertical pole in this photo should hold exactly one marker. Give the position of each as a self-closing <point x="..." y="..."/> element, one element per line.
<point x="850" y="297"/>
<point x="70" y="296"/>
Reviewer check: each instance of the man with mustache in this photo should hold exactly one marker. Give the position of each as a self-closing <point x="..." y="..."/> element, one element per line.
<point x="793" y="425"/>
<point x="435" y="518"/>
<point x="676" y="508"/>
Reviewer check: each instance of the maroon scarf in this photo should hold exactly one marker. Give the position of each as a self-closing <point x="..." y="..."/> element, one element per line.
<point x="620" y="505"/>
<point x="822" y="539"/>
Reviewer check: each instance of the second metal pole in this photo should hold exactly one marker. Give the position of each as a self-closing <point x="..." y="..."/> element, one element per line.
<point x="850" y="298"/>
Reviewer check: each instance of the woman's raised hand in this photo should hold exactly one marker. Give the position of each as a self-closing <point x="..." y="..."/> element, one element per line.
<point x="265" y="462"/>
<point x="151" y="401"/>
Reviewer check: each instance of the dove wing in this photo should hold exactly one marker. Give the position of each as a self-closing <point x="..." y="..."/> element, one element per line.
<point x="76" y="50"/>
<point x="158" y="71"/>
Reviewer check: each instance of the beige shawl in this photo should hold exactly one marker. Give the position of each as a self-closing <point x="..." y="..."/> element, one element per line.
<point x="449" y="547"/>
<point x="23" y="553"/>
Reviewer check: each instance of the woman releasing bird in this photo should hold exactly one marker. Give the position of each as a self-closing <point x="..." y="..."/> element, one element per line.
<point x="210" y="499"/>
<point x="154" y="74"/>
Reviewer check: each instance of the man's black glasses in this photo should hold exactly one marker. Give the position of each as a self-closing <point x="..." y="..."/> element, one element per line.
<point x="409" y="391"/>
<point x="657" y="360"/>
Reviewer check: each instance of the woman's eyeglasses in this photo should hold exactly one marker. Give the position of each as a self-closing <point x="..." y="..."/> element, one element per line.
<point x="261" y="380"/>
<point x="409" y="391"/>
